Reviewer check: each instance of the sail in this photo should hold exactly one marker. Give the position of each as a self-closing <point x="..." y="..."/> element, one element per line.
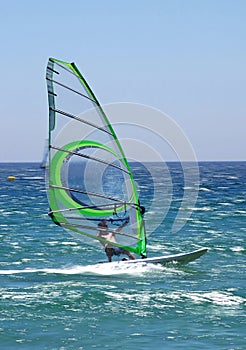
<point x="45" y="155"/>
<point x="88" y="176"/>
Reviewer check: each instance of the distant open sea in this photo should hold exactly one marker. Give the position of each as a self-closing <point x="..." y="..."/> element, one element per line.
<point x="54" y="295"/>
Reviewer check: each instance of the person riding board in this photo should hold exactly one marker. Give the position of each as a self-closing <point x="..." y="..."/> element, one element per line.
<point x="111" y="250"/>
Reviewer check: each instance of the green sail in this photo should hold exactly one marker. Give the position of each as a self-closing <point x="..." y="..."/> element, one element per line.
<point x="89" y="178"/>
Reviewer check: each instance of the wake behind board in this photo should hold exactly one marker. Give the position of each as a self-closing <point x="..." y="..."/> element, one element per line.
<point x="182" y="258"/>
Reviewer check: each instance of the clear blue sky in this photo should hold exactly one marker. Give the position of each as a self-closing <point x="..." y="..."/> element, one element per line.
<point x="186" y="58"/>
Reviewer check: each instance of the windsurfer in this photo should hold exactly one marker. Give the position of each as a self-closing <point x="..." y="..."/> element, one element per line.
<point x="110" y="236"/>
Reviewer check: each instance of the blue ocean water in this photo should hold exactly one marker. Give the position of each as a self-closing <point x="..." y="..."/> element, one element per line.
<point x="54" y="295"/>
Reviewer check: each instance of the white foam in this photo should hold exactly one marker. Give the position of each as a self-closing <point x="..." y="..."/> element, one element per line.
<point x="216" y="297"/>
<point x="205" y="189"/>
<point x="103" y="269"/>
<point x="237" y="249"/>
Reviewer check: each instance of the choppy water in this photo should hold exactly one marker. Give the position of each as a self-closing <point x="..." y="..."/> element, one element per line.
<point x="55" y="296"/>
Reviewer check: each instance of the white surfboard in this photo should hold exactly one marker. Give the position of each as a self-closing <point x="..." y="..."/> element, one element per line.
<point x="182" y="258"/>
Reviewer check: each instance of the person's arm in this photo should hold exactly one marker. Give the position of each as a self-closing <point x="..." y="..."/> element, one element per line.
<point x="121" y="227"/>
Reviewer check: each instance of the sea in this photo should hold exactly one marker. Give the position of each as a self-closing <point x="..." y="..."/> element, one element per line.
<point x="55" y="293"/>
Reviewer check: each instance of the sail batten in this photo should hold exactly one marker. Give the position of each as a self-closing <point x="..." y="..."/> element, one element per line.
<point x="69" y="115"/>
<point x="51" y="69"/>
<point x="52" y="93"/>
<point x="62" y="66"/>
<point x="69" y="88"/>
<point x="89" y="193"/>
<point x="89" y="157"/>
<point x="111" y="206"/>
<point x="90" y="179"/>
<point x="96" y="229"/>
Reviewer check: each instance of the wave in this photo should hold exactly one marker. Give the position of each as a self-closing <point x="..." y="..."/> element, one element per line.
<point x="205" y="189"/>
<point x="215" y="297"/>
<point x="103" y="269"/>
<point x="157" y="299"/>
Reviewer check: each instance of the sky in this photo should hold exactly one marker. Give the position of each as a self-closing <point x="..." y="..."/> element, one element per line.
<point x="184" y="58"/>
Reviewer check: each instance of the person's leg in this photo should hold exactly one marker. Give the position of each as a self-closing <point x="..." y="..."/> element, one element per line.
<point x="109" y="252"/>
<point x="129" y="254"/>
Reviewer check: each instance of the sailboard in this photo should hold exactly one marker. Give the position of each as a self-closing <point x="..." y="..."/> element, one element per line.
<point x="89" y="180"/>
<point x="181" y="258"/>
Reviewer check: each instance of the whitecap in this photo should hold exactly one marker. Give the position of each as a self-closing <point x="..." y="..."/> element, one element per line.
<point x="198" y="208"/>
<point x="216" y="297"/>
<point x="237" y="249"/>
<point x="227" y="204"/>
<point x="205" y="189"/>
<point x="69" y="243"/>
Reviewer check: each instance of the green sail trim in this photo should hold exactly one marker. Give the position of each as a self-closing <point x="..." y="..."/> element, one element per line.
<point x="61" y="194"/>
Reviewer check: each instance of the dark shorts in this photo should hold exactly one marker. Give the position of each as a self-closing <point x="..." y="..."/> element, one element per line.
<point x="115" y="251"/>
